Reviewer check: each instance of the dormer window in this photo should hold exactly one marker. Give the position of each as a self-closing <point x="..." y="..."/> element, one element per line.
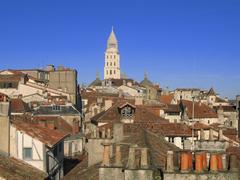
<point x="56" y="108"/>
<point x="127" y="111"/>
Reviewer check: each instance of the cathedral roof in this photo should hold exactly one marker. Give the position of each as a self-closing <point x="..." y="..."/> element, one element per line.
<point x="112" y="40"/>
<point x="146" y="81"/>
<point x="211" y="92"/>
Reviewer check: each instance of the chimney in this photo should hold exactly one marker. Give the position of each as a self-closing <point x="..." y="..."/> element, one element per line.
<point x="233" y="163"/>
<point x="131" y="158"/>
<point x="220" y="162"/>
<point x="75" y="127"/>
<point x="170" y="166"/>
<point x="202" y="135"/>
<point x="103" y="133"/>
<point x="138" y="101"/>
<point x="205" y="161"/>
<point x="97" y="132"/>
<point x="184" y="162"/>
<point x="190" y="161"/>
<point x="106" y="154"/>
<point x="144" y="158"/>
<point x="4" y="98"/>
<point x="108" y="104"/>
<point x="211" y="135"/>
<point x="199" y="162"/>
<point x="118" y="156"/>
<point x="108" y="133"/>
<point x="214" y="162"/>
<point x="220" y="135"/>
<point x="224" y="161"/>
<point x="94" y="133"/>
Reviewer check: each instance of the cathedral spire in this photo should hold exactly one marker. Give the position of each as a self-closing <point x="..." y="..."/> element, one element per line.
<point x="112" y="40"/>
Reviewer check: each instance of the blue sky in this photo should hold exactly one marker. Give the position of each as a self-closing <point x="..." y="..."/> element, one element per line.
<point x="180" y="43"/>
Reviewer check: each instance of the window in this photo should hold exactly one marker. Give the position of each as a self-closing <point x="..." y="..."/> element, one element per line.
<point x="110" y="72"/>
<point x="107" y="72"/>
<point x="56" y="108"/>
<point x="110" y="63"/>
<point x="27" y="153"/>
<point x="127" y="112"/>
<point x="208" y="121"/>
<point x="107" y="63"/>
<point x="114" y="71"/>
<point x="114" y="56"/>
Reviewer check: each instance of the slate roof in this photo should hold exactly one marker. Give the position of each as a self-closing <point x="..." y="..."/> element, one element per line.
<point x="13" y="169"/>
<point x="48" y="110"/>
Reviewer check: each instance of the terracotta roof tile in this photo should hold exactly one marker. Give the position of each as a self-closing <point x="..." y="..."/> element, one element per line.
<point x="47" y="136"/>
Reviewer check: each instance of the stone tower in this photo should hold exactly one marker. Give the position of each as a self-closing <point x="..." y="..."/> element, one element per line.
<point x="112" y="58"/>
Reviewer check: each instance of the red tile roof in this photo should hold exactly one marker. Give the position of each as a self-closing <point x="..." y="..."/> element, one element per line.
<point x="47" y="136"/>
<point x="200" y="110"/>
<point x="167" y="99"/>
<point x="19" y="106"/>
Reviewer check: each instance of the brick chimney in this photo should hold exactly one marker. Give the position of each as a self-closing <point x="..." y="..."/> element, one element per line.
<point x="144" y="158"/>
<point x="106" y="154"/>
<point x="224" y="161"/>
<point x="220" y="162"/>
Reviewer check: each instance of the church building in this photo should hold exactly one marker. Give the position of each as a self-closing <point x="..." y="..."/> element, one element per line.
<point x="112" y="58"/>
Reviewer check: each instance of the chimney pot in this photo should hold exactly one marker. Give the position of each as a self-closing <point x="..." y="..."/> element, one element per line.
<point x="184" y="162"/>
<point x="202" y="135"/>
<point x="118" y="158"/>
<point x="131" y="158"/>
<point x="233" y="163"/>
<point x="214" y="162"/>
<point x="205" y="161"/>
<point x="108" y="133"/>
<point x="170" y="166"/>
<point x="199" y="162"/>
<point x="97" y="132"/>
<point x="224" y="161"/>
<point x="220" y="162"/>
<point x="103" y="133"/>
<point x="106" y="154"/>
<point x="220" y="134"/>
<point x="144" y="158"/>
<point x="211" y="135"/>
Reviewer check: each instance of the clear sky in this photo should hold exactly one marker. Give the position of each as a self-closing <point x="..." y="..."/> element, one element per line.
<point x="180" y="43"/>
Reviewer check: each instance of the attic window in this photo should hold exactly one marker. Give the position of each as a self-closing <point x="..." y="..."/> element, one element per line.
<point x="127" y="112"/>
<point x="56" y="108"/>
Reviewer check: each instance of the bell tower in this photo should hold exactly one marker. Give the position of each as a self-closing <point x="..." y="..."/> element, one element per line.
<point x="112" y="58"/>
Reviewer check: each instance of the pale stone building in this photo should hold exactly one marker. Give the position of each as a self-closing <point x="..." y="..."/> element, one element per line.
<point x="112" y="59"/>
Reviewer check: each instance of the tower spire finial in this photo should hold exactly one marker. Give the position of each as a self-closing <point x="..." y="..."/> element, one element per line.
<point x="112" y="28"/>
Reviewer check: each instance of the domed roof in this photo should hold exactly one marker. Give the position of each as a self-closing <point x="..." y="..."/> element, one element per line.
<point x="96" y="82"/>
<point x="112" y="40"/>
<point x="146" y="81"/>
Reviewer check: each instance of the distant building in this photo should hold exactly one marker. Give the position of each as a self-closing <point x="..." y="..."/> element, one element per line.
<point x="112" y="58"/>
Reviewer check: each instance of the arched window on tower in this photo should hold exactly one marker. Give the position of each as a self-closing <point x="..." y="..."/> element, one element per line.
<point x="110" y="72"/>
<point x="107" y="63"/>
<point x="114" y="71"/>
<point x="114" y="56"/>
<point x="114" y="63"/>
